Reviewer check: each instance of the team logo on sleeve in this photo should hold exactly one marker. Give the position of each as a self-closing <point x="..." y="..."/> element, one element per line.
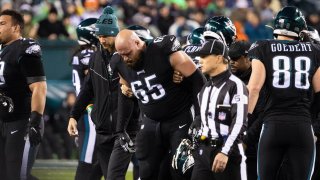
<point x="176" y="45"/>
<point x="33" y="49"/>
<point x="254" y="45"/>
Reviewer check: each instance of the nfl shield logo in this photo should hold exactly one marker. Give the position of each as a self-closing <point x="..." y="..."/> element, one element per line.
<point x="222" y="116"/>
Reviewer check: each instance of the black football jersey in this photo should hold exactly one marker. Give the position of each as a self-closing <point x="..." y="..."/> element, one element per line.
<point x="189" y="50"/>
<point x="159" y="98"/>
<point x="80" y="63"/>
<point x="290" y="66"/>
<point x="20" y="65"/>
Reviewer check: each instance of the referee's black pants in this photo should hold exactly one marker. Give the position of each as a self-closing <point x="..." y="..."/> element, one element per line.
<point x="292" y="140"/>
<point x="156" y="143"/>
<point x="16" y="154"/>
<point x="204" y="156"/>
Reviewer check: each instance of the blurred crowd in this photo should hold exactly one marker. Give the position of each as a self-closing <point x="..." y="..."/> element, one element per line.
<point x="57" y="19"/>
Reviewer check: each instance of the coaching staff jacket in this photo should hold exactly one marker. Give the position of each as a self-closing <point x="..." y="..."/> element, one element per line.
<point x="100" y="85"/>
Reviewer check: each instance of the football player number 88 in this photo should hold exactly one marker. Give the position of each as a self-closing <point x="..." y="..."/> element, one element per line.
<point x="2" y="81"/>
<point x="282" y="74"/>
<point x="155" y="90"/>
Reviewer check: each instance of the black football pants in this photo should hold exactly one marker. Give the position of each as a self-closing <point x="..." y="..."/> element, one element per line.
<point x="156" y="142"/>
<point x="291" y="140"/>
<point x="16" y="154"/>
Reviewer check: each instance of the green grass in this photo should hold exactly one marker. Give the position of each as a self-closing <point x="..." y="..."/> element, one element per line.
<point x="61" y="174"/>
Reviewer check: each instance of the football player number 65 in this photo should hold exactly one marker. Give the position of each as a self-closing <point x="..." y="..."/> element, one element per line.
<point x="155" y="90"/>
<point x="2" y="81"/>
<point x="283" y="71"/>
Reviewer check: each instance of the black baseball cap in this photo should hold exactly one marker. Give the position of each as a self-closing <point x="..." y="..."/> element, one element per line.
<point x="212" y="47"/>
<point x="238" y="49"/>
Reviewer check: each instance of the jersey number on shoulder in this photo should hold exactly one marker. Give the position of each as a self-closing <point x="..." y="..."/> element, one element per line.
<point x="76" y="81"/>
<point x="283" y="71"/>
<point x="2" y="81"/>
<point x="155" y="90"/>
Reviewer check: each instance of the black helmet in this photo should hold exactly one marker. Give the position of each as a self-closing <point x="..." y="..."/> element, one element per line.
<point x="86" y="32"/>
<point x="222" y="28"/>
<point x="142" y="32"/>
<point x="196" y="36"/>
<point x="183" y="160"/>
<point x="289" y="22"/>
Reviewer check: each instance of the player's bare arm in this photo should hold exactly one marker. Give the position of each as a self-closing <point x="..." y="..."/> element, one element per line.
<point x="182" y="63"/>
<point x="39" y="91"/>
<point x="256" y="82"/>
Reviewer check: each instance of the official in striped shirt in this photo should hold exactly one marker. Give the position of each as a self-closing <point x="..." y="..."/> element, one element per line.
<point x="223" y="102"/>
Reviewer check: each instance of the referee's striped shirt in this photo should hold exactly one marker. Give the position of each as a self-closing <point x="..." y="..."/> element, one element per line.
<point x="223" y="106"/>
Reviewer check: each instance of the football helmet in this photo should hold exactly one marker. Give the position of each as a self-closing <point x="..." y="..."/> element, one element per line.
<point x="196" y="36"/>
<point x="142" y="32"/>
<point x="289" y="22"/>
<point x="183" y="160"/>
<point x="86" y="32"/>
<point x="222" y="28"/>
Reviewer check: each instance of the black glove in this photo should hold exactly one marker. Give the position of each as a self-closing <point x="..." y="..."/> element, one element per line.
<point x="6" y="105"/>
<point x="33" y="129"/>
<point x="194" y="131"/>
<point x="126" y="143"/>
<point x="195" y="126"/>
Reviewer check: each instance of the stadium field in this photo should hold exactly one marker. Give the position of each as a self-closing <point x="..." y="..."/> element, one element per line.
<point x="59" y="170"/>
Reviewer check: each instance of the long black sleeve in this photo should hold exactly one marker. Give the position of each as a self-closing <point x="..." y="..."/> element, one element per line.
<point x="83" y="99"/>
<point x="126" y="108"/>
<point x="196" y="82"/>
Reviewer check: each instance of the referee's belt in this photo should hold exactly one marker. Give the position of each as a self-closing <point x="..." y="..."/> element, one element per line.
<point x="211" y="142"/>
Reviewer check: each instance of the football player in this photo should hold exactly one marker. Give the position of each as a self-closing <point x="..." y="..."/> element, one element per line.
<point x="221" y="28"/>
<point x="22" y="98"/>
<point x="289" y="69"/>
<point x="148" y="68"/>
<point x="88" y="166"/>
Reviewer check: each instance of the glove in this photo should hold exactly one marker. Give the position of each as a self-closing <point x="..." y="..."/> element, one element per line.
<point x="194" y="131"/>
<point x="126" y="143"/>
<point x="6" y="105"/>
<point x="195" y="126"/>
<point x="33" y="129"/>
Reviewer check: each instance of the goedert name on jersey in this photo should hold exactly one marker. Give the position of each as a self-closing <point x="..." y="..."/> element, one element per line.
<point x="290" y="66"/>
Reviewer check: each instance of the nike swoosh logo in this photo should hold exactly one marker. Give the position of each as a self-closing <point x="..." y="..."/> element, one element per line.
<point x="31" y="42"/>
<point x="182" y="126"/>
<point x="12" y="132"/>
<point x="171" y="39"/>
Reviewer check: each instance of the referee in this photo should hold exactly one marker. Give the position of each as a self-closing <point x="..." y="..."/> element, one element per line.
<point x="223" y="103"/>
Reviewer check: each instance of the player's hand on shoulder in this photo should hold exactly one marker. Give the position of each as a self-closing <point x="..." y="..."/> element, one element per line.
<point x="72" y="127"/>
<point x="177" y="77"/>
<point x="125" y="90"/>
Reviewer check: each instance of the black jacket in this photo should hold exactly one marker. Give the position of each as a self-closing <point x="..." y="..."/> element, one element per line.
<point x="101" y="85"/>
